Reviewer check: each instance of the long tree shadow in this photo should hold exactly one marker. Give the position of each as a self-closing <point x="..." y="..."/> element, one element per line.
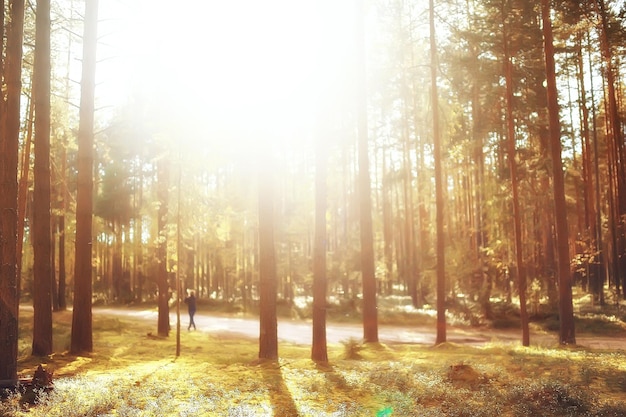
<point x="335" y="378"/>
<point x="283" y="403"/>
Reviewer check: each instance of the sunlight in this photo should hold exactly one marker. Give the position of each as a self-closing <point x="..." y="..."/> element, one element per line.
<point x="236" y="73"/>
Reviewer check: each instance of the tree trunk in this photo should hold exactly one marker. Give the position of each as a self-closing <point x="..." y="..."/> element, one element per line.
<point x="370" y="313"/>
<point x="617" y="144"/>
<point x="163" y="325"/>
<point x="22" y="193"/>
<point x="42" y="304"/>
<point x="82" y="334"/>
<point x="440" y="250"/>
<point x="566" y="309"/>
<point x="268" y="327"/>
<point x="603" y="265"/>
<point x="61" y="228"/>
<point x="319" y="352"/>
<point x="519" y="257"/>
<point x="9" y="156"/>
<point x="54" y="290"/>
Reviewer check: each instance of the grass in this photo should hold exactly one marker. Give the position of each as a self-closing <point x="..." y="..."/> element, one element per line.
<point x="132" y="373"/>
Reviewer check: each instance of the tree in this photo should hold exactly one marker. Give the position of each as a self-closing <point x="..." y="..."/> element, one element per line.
<point x="82" y="336"/>
<point x="42" y="269"/>
<point x="163" y="321"/>
<point x="368" y="277"/>
<point x="319" y="352"/>
<point x="268" y="336"/>
<point x="441" y="272"/>
<point x="566" y="309"/>
<point x="521" y="271"/>
<point x="9" y="155"/>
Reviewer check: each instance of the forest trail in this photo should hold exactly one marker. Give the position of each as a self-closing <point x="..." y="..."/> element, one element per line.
<point x="299" y="331"/>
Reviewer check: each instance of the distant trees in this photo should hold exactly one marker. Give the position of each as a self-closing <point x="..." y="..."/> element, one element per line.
<point x="485" y="130"/>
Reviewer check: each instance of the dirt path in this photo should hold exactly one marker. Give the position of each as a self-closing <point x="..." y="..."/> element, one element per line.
<point x="299" y="332"/>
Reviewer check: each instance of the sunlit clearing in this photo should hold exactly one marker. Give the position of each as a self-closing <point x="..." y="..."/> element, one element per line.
<point x="240" y="73"/>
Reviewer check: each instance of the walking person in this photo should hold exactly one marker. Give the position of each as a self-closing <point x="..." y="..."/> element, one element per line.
<point x="191" y="306"/>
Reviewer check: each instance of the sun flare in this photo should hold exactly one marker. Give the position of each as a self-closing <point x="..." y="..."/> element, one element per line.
<point x="238" y="68"/>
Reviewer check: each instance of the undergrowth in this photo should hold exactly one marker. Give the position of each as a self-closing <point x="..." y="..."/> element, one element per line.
<point x="133" y="374"/>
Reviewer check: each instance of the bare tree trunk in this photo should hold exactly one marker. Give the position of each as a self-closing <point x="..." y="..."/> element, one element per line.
<point x="9" y="157"/>
<point x="319" y="352"/>
<point x="441" y="264"/>
<point x="163" y="324"/>
<point x="603" y="265"/>
<point x="617" y="143"/>
<point x="519" y="257"/>
<point x="82" y="335"/>
<point x="42" y="304"/>
<point x="566" y="309"/>
<point x="370" y="313"/>
<point x="268" y="283"/>
<point x="61" y="228"/>
<point x="22" y="193"/>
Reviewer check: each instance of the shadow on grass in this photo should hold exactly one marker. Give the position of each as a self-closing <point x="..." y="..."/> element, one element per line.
<point x="281" y="399"/>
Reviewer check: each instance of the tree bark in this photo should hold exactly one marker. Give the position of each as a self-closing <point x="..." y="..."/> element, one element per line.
<point x="163" y="324"/>
<point x="42" y="304"/>
<point x="82" y="332"/>
<point x="61" y="227"/>
<point x="566" y="309"/>
<point x="440" y="248"/>
<point x="9" y="156"/>
<point x="370" y="312"/>
<point x="319" y="352"/>
<point x="519" y="258"/>
<point x="22" y="193"/>
<point x="268" y="326"/>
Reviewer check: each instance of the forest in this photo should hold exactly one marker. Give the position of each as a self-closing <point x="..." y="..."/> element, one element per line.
<point x="464" y="158"/>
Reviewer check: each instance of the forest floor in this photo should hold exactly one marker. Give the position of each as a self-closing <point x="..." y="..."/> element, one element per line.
<point x="133" y="372"/>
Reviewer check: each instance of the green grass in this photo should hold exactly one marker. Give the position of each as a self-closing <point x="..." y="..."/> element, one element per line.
<point x="131" y="373"/>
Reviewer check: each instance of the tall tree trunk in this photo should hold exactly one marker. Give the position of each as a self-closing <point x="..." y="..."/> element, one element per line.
<point x="163" y="324"/>
<point x="519" y="258"/>
<point x="566" y="309"/>
<point x="370" y="314"/>
<point x="22" y="193"/>
<point x="82" y="334"/>
<point x="409" y="216"/>
<point x="617" y="141"/>
<point x="441" y="264"/>
<point x="53" y="279"/>
<point x="137" y="242"/>
<point x="268" y="283"/>
<point x="603" y="265"/>
<point x="61" y="228"/>
<point x="42" y="301"/>
<point x="9" y="156"/>
<point x="387" y="211"/>
<point x="319" y="352"/>
<point x="592" y="226"/>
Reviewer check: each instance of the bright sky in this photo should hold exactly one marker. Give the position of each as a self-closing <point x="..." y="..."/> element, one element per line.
<point x="235" y="65"/>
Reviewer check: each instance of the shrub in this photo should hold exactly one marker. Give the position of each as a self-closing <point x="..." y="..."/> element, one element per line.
<point x="352" y="349"/>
